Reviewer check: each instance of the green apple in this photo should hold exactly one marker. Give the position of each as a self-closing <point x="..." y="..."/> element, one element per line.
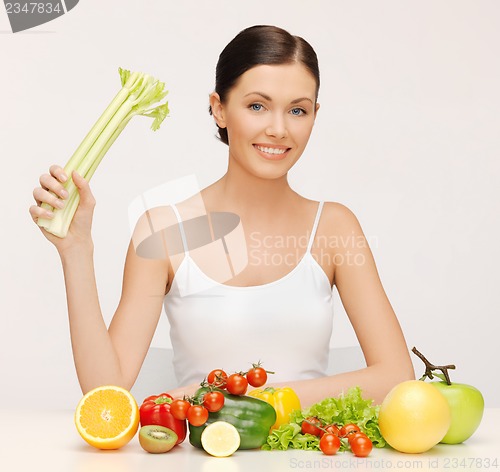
<point x="466" y="405"/>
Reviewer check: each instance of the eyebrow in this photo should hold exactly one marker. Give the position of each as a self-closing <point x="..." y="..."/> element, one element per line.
<point x="269" y="99"/>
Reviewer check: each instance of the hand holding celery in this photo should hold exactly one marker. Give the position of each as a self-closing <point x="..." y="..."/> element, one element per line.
<point x="139" y="93"/>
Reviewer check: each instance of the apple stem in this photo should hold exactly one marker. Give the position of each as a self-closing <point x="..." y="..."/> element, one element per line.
<point x="429" y="368"/>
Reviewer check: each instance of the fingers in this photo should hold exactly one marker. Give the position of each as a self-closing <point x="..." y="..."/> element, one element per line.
<point x="54" y="184"/>
<point x="58" y="172"/>
<point x="44" y="196"/>
<point x="51" y="191"/>
<point x="38" y="212"/>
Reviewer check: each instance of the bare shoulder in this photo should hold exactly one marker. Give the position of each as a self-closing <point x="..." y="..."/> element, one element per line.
<point x="339" y="218"/>
<point x="338" y="223"/>
<point x="149" y="232"/>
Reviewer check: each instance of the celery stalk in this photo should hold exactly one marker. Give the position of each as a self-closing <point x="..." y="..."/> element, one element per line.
<point x="138" y="96"/>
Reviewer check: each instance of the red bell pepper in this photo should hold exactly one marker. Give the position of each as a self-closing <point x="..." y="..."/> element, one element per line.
<point x="155" y="410"/>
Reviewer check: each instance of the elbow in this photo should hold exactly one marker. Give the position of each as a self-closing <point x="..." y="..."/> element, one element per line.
<point x="87" y="386"/>
<point x="405" y="372"/>
<point x="410" y="374"/>
<point x="401" y="371"/>
<point x="393" y="374"/>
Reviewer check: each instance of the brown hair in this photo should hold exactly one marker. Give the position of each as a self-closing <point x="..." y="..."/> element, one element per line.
<point x="258" y="45"/>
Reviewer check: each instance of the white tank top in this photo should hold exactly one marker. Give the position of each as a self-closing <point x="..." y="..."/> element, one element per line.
<point x="285" y="324"/>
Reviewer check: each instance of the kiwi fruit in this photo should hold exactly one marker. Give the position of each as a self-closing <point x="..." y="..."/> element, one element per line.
<point x="157" y="439"/>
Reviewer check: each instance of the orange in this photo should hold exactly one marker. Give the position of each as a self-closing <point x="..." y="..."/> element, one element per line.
<point x="107" y="417"/>
<point x="414" y="416"/>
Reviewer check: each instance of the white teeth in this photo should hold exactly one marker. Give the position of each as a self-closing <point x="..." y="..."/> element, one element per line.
<point x="271" y="150"/>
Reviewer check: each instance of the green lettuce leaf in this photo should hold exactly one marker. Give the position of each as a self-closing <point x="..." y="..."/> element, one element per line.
<point x="289" y="436"/>
<point x="350" y="407"/>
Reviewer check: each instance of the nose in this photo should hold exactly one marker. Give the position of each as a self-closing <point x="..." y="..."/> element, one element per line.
<point x="277" y="127"/>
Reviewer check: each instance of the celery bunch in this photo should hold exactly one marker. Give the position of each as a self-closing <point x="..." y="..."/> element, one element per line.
<point x="138" y="95"/>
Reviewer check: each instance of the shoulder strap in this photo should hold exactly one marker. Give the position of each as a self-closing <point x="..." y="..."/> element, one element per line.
<point x="181" y="228"/>
<point x="315" y="226"/>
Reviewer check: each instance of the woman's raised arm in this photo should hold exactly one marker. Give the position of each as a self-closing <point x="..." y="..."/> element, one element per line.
<point x="102" y="356"/>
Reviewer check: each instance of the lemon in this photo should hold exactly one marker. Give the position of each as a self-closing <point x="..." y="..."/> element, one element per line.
<point x="414" y="416"/>
<point x="220" y="439"/>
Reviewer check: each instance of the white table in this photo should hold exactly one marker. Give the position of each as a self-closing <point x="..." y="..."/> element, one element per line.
<point x="48" y="440"/>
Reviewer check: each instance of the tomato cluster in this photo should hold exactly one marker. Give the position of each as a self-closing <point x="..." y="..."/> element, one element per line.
<point x="331" y="437"/>
<point x="237" y="383"/>
<point x="196" y="412"/>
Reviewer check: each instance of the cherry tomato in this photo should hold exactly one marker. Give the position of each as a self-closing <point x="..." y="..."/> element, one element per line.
<point x="257" y="376"/>
<point x="217" y="378"/>
<point x="311" y="425"/>
<point x="197" y="415"/>
<point x="329" y="444"/>
<point x="361" y="446"/>
<point x="355" y="434"/>
<point x="237" y="384"/>
<point x="331" y="428"/>
<point x="213" y="401"/>
<point x="179" y="409"/>
<point x="347" y="429"/>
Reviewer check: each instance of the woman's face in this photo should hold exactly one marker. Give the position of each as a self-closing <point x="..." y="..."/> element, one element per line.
<point x="269" y="115"/>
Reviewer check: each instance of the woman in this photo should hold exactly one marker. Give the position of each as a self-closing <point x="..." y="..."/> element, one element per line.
<point x="277" y="308"/>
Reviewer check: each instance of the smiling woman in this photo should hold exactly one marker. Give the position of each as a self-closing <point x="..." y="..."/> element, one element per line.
<point x="261" y="45"/>
<point x="277" y="307"/>
<point x="268" y="116"/>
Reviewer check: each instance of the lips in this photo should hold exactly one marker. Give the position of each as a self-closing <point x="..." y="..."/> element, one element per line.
<point x="272" y="152"/>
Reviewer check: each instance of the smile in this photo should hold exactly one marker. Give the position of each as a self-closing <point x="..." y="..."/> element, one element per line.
<point x="271" y="152"/>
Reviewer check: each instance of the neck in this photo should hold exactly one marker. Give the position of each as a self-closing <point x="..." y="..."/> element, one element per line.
<point x="249" y="192"/>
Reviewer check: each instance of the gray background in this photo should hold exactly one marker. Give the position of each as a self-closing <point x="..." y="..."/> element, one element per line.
<point x="407" y="137"/>
<point x="24" y="15"/>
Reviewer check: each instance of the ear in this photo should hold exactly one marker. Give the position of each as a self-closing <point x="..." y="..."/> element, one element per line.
<point x="316" y="110"/>
<point x="217" y="109"/>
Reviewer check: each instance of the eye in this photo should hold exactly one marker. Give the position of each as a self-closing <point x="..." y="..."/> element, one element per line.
<point x="297" y="111"/>
<point x="256" y="107"/>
